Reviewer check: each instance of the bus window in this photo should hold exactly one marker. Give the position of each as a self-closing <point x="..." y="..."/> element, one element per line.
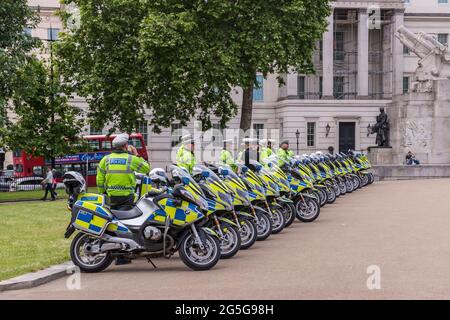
<point x="37" y="171"/>
<point x="17" y="154"/>
<point x="106" y="145"/>
<point x="94" y="145"/>
<point x="135" y="142"/>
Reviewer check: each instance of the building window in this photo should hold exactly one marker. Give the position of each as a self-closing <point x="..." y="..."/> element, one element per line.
<point x="405" y="84"/>
<point x="321" y="50"/>
<point x="406" y="50"/>
<point x="339" y="53"/>
<point x="176" y="133"/>
<point x="311" y="134"/>
<point x="27" y="31"/>
<point x="443" y="38"/>
<point x="320" y="87"/>
<point x="442" y="1"/>
<point x="95" y="131"/>
<point x="258" y="128"/>
<point x="52" y="34"/>
<point x="338" y="88"/>
<point x="142" y="128"/>
<point x="258" y="89"/>
<point x="301" y="87"/>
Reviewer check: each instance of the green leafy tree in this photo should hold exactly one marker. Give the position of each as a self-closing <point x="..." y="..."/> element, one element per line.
<point x="180" y="59"/>
<point x="44" y="123"/>
<point x="15" y="45"/>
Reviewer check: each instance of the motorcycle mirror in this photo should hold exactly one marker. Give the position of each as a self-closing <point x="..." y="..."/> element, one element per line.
<point x="185" y="181"/>
<point x="224" y="172"/>
<point x="205" y="174"/>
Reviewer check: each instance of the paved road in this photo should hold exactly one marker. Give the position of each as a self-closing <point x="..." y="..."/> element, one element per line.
<point x="403" y="227"/>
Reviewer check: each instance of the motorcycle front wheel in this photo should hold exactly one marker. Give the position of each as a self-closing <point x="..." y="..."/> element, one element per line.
<point x="249" y="234"/>
<point x="289" y="213"/>
<point x="263" y="226"/>
<point x="82" y="254"/>
<point x="307" y="209"/>
<point x="277" y="220"/>
<point x="195" y="257"/>
<point x="230" y="243"/>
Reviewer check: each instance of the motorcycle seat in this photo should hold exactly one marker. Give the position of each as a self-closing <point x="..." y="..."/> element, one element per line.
<point x="127" y="214"/>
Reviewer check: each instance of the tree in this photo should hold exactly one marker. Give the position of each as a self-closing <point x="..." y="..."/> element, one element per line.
<point x="15" y="45"/>
<point x="180" y="59"/>
<point x="45" y="123"/>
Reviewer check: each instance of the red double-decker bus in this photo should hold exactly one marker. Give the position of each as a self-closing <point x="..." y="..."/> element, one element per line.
<point x="84" y="162"/>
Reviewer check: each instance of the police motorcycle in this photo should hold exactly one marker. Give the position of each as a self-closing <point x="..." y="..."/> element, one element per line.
<point x="161" y="223"/>
<point x="302" y="191"/>
<point x="327" y="175"/>
<point x="257" y="196"/>
<point x="353" y="178"/>
<point x="362" y="164"/>
<point x="323" y="190"/>
<point x="243" y="213"/>
<point x="339" y="173"/>
<point x="272" y="191"/>
<point x="220" y="210"/>
<point x="275" y="165"/>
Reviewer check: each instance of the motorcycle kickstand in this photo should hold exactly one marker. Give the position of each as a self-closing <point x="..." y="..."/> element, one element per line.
<point x="150" y="261"/>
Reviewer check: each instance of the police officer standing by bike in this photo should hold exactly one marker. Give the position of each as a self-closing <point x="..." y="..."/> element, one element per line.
<point x="185" y="154"/>
<point x="115" y="173"/>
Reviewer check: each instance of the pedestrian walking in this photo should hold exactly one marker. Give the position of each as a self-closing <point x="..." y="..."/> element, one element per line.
<point x="48" y="184"/>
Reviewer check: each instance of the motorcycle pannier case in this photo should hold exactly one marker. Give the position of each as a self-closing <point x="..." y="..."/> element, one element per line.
<point x="90" y="218"/>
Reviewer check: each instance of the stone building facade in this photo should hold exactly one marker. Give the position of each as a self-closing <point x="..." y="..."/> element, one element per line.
<point x="359" y="63"/>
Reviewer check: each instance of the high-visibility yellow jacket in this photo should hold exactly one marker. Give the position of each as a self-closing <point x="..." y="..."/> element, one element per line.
<point x="115" y="173"/>
<point x="227" y="158"/>
<point x="284" y="155"/>
<point x="265" y="153"/>
<point x="186" y="159"/>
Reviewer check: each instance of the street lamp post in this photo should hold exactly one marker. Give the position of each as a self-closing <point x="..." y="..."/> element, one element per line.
<point x="297" y="135"/>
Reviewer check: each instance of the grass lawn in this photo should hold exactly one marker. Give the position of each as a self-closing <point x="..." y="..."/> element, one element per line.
<point x="34" y="194"/>
<point x="32" y="236"/>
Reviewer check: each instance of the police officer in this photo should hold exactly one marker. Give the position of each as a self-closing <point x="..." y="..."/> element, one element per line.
<point x="266" y="148"/>
<point x="115" y="173"/>
<point x="226" y="156"/>
<point x="284" y="153"/>
<point x="185" y="154"/>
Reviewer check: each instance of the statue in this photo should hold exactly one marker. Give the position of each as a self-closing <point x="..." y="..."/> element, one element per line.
<point x="381" y="128"/>
<point x="434" y="63"/>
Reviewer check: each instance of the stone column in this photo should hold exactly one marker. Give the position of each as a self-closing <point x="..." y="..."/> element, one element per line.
<point x="397" y="55"/>
<point x="328" y="60"/>
<point x="363" y="55"/>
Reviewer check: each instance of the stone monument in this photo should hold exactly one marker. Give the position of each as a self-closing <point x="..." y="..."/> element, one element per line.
<point x="420" y="120"/>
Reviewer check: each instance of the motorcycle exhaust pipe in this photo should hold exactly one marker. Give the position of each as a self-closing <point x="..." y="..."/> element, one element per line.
<point x="124" y="242"/>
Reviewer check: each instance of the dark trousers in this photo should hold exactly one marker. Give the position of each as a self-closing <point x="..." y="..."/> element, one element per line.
<point x="49" y="187"/>
<point x="122" y="203"/>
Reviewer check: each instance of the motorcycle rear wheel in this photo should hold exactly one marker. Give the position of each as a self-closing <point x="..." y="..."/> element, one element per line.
<point x="88" y="262"/>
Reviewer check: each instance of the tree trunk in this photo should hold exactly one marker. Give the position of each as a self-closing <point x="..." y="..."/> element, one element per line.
<point x="247" y="106"/>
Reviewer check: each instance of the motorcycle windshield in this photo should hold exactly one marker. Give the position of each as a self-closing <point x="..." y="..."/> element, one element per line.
<point x="189" y="182"/>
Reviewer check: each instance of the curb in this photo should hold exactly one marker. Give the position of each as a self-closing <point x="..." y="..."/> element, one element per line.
<point x="34" y="279"/>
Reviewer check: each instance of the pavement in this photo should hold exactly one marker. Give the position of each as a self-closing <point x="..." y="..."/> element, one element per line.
<point x="392" y="237"/>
